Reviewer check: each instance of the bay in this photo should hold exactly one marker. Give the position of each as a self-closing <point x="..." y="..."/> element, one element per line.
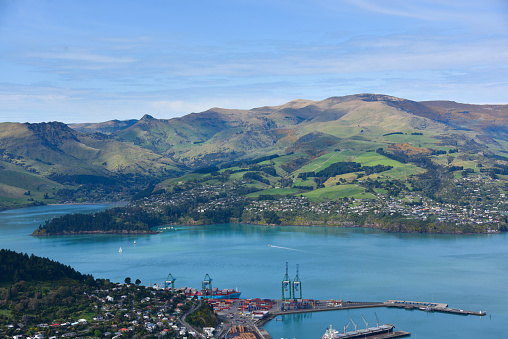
<point x="467" y="272"/>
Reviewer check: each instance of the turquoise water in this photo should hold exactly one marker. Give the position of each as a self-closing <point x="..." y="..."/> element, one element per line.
<point x="467" y="272"/>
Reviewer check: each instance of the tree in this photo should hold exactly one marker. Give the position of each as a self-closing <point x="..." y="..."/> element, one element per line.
<point x="90" y="281"/>
<point x="271" y="217"/>
<point x="127" y="280"/>
<point x="138" y="281"/>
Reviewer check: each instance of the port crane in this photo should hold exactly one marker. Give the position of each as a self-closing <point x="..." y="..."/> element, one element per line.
<point x="286" y="286"/>
<point x="206" y="287"/>
<point x="170" y="282"/>
<point x="297" y="285"/>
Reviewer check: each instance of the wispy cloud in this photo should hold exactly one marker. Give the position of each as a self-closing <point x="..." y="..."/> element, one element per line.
<point x="118" y="63"/>
<point x="466" y="12"/>
<point x="425" y="10"/>
<point x="82" y="57"/>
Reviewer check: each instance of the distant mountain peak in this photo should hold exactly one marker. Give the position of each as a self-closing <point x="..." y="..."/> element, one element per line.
<point x="377" y="97"/>
<point x="52" y="131"/>
<point x="147" y="117"/>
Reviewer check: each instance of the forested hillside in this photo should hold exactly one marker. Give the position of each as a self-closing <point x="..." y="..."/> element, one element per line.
<point x="15" y="267"/>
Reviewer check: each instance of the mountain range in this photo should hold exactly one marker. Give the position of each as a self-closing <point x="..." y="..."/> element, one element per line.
<point x="41" y="159"/>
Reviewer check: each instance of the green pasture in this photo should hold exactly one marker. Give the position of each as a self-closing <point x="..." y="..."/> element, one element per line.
<point x="183" y="179"/>
<point x="400" y="173"/>
<point x="333" y="180"/>
<point x="336" y="192"/>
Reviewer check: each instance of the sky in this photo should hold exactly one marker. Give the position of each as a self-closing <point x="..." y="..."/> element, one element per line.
<point x="93" y="61"/>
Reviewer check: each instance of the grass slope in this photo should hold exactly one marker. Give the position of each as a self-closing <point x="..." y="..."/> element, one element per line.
<point x="308" y="136"/>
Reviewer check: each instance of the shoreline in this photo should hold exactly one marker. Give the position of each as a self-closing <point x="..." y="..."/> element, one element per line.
<point x="339" y="226"/>
<point x="125" y="232"/>
<point x="119" y="203"/>
<point x="394" y="228"/>
<point x="97" y="233"/>
<point x="89" y="203"/>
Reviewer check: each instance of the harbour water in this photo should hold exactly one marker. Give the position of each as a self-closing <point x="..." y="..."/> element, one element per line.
<point x="468" y="272"/>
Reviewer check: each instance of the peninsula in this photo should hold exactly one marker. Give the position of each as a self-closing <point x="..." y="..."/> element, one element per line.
<point x="113" y="221"/>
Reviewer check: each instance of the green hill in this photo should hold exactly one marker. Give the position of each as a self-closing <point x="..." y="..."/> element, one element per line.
<point x="117" y="159"/>
<point x="38" y="160"/>
<point x="106" y="127"/>
<point x="220" y="135"/>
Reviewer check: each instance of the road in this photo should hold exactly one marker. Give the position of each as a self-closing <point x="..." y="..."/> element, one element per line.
<point x="188" y="326"/>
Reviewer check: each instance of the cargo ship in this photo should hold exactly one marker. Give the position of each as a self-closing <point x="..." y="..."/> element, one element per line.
<point x="206" y="292"/>
<point x="215" y="293"/>
<point x="379" y="331"/>
<point x="365" y="333"/>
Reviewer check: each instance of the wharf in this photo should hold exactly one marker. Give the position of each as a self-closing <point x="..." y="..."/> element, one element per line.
<point x="235" y="315"/>
<point x="430" y="307"/>
<point x="323" y="305"/>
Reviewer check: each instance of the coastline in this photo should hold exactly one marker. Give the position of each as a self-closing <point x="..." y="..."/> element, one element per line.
<point x="122" y="232"/>
<point x="397" y="226"/>
<point x="345" y="225"/>
<point x="119" y="203"/>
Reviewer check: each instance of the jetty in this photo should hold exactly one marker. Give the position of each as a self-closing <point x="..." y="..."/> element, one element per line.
<point x="430" y="307"/>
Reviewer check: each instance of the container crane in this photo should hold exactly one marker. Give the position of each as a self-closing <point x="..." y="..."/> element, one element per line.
<point x="170" y="282"/>
<point x="286" y="286"/>
<point x="297" y="285"/>
<point x="206" y="287"/>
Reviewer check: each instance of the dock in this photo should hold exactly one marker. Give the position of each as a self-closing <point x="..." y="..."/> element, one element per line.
<point x="430" y="307"/>
<point x="254" y="313"/>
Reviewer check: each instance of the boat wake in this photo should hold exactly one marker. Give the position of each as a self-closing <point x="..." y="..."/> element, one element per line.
<point x="287" y="248"/>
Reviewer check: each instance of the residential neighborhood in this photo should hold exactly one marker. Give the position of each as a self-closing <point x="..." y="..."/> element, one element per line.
<point x="125" y="310"/>
<point x="481" y="203"/>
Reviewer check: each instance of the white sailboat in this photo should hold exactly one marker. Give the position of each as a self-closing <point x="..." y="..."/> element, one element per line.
<point x="120" y="250"/>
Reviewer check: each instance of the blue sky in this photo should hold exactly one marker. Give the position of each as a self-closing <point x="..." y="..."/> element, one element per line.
<point x="92" y="61"/>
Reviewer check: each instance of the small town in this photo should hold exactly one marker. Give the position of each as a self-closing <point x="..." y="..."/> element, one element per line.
<point x="486" y="205"/>
<point x="125" y="310"/>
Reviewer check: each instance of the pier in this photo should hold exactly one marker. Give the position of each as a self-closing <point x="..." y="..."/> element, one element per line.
<point x="251" y="314"/>
<point x="430" y="307"/>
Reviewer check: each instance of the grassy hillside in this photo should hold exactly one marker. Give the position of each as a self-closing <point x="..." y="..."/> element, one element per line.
<point x="103" y="127"/>
<point x="39" y="160"/>
<point x="489" y="120"/>
<point x="118" y="159"/>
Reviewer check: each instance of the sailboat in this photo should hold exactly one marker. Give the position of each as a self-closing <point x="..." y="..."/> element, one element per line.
<point x="120" y="250"/>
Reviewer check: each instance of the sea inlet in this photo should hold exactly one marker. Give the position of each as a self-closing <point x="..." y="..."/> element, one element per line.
<point x="467" y="272"/>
